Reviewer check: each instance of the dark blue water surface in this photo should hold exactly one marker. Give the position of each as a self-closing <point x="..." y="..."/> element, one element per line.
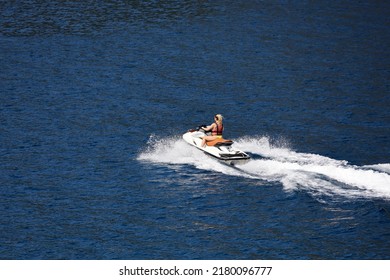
<point x="95" y="96"/>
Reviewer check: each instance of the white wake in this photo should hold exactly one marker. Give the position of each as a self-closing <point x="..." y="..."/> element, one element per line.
<point x="316" y="174"/>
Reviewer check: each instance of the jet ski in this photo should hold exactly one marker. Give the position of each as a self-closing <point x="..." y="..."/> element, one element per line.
<point x="220" y="148"/>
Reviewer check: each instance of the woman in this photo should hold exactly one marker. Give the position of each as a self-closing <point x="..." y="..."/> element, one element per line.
<point x="216" y="129"/>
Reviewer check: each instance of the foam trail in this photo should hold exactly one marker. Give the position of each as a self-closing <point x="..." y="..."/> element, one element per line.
<point x="316" y="174"/>
<point x="385" y="167"/>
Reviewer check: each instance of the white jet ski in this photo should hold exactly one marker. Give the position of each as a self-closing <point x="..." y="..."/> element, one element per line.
<point x="219" y="148"/>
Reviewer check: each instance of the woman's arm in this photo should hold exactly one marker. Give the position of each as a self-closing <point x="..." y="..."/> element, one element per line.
<point x="210" y="127"/>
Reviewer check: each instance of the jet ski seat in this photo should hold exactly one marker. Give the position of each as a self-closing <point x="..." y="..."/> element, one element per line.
<point x="219" y="142"/>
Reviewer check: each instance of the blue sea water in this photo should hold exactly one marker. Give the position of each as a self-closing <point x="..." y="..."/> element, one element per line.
<point x="95" y="95"/>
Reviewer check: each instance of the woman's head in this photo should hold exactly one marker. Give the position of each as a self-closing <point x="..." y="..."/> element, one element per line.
<point x="218" y="118"/>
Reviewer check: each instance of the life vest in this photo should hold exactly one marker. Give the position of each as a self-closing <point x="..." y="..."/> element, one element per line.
<point x="217" y="130"/>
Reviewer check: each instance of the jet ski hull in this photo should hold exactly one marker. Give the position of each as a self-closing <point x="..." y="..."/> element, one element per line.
<point x="222" y="151"/>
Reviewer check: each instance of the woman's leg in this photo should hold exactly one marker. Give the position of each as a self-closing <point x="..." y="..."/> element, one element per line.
<point x="207" y="138"/>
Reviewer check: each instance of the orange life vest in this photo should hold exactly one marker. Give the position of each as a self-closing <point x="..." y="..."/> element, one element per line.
<point x="217" y="130"/>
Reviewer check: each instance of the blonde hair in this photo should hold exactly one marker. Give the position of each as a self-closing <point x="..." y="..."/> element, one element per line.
<point x="219" y="118"/>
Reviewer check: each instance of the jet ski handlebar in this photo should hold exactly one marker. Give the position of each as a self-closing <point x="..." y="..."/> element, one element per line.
<point x="200" y="127"/>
